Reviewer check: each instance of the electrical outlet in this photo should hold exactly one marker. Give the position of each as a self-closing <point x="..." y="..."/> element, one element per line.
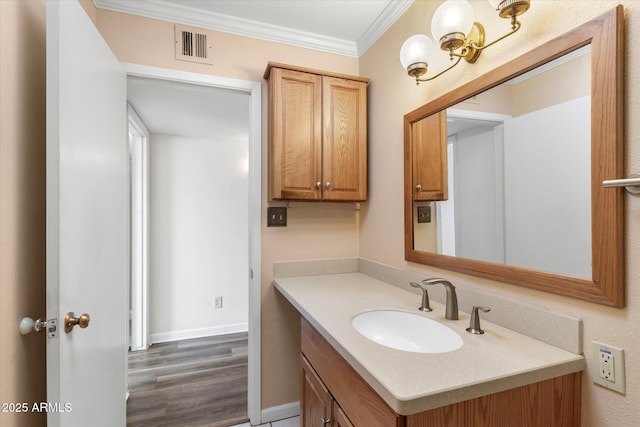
<point x="608" y="368"/>
<point x="217" y="302"/>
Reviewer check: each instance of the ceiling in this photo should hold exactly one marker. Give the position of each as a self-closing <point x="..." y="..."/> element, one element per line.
<point x="191" y="110"/>
<point x="345" y="27"/>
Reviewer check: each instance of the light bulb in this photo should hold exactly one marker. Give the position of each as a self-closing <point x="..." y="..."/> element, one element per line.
<point x="453" y="16"/>
<point x="416" y="49"/>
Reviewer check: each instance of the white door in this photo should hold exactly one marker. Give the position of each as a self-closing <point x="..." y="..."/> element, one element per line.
<point x="87" y="222"/>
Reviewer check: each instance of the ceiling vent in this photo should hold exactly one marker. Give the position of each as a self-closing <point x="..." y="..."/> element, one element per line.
<point x="193" y="45"/>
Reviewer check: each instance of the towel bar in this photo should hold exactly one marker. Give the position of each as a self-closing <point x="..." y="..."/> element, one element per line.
<point x="631" y="184"/>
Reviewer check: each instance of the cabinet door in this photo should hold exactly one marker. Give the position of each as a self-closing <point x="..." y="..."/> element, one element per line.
<point x="344" y="147"/>
<point x="339" y="417"/>
<point x="316" y="400"/>
<point x="295" y="115"/>
<point x="429" y="145"/>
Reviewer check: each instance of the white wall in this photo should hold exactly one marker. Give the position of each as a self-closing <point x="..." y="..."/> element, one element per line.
<point x="543" y="191"/>
<point x="478" y="190"/>
<point x="198" y="235"/>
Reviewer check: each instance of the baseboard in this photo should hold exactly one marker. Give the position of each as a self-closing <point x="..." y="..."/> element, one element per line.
<point x="276" y="413"/>
<point x="198" y="333"/>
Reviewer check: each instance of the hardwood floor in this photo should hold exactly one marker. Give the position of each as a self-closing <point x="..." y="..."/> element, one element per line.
<point x="191" y="383"/>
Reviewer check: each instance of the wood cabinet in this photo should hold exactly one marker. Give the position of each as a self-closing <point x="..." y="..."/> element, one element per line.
<point x="317" y="135"/>
<point x="554" y="402"/>
<point x="316" y="399"/>
<point x="428" y="141"/>
<point x="319" y="409"/>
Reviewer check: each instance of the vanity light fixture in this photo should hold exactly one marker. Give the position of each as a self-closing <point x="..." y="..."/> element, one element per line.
<point x="454" y="27"/>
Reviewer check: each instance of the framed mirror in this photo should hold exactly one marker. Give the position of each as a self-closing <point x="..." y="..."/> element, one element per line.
<point x="503" y="176"/>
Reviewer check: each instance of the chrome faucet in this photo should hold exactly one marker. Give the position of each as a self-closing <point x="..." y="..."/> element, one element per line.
<point x="425" y="297"/>
<point x="451" y="311"/>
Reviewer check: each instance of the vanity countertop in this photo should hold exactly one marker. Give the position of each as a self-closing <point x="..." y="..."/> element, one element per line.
<point x="499" y="360"/>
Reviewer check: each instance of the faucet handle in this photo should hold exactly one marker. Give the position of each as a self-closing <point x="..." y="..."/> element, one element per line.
<point x="425" y="306"/>
<point x="474" y="321"/>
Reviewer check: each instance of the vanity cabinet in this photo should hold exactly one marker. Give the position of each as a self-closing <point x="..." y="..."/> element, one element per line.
<point x="319" y="407"/>
<point x="428" y="141"/>
<point x="329" y="381"/>
<point x="317" y="135"/>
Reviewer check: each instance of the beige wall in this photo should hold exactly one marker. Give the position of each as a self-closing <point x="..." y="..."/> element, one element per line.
<point x="393" y="94"/>
<point x="563" y="83"/>
<point x="313" y="231"/>
<point x="22" y="205"/>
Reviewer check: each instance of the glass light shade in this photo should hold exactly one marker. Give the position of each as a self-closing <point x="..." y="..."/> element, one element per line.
<point x="453" y="16"/>
<point x="495" y="3"/>
<point x="417" y="48"/>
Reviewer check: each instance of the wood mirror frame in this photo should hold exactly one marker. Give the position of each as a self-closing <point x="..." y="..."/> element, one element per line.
<point x="607" y="285"/>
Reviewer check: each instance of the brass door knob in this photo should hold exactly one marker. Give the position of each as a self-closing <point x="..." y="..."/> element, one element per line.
<point x="71" y="320"/>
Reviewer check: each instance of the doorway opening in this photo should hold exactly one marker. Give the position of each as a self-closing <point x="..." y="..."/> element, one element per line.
<point x="196" y="244"/>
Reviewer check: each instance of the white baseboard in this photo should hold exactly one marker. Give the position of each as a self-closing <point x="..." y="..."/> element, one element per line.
<point x="276" y="413"/>
<point x="198" y="333"/>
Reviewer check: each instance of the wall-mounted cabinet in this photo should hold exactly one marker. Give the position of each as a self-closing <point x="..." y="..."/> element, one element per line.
<point x="317" y="135"/>
<point x="428" y="140"/>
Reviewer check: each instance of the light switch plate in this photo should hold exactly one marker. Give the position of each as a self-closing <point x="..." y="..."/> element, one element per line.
<point x="608" y="367"/>
<point x="276" y="216"/>
<point x="424" y="214"/>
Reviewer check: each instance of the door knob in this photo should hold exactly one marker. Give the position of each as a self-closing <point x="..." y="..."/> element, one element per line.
<point x="71" y="320"/>
<point x="27" y="325"/>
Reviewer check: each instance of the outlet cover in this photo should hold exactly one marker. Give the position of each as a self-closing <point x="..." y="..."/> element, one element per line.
<point x="608" y="367"/>
<point x="217" y="302"/>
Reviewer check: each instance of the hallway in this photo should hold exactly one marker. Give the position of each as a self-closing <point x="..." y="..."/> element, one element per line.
<point x="197" y="382"/>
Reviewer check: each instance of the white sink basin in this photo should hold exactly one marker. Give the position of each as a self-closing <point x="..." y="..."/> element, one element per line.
<point x="406" y="331"/>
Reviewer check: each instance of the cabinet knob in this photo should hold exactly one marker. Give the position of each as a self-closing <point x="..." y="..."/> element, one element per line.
<point x="418" y="187"/>
<point x="325" y="421"/>
<point x="318" y="184"/>
<point x="328" y="185"/>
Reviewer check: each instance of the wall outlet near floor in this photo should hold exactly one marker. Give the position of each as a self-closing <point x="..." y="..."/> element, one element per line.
<point x="217" y="302"/>
<point x="608" y="366"/>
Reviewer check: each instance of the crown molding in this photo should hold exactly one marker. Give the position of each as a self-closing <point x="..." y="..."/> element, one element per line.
<point x="159" y="9"/>
<point x="391" y="13"/>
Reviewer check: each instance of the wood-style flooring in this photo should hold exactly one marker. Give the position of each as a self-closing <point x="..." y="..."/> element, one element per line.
<point x="191" y="383"/>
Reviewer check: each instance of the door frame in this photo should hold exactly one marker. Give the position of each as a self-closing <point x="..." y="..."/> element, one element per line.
<point x="254" y="90"/>
<point x="139" y="231"/>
